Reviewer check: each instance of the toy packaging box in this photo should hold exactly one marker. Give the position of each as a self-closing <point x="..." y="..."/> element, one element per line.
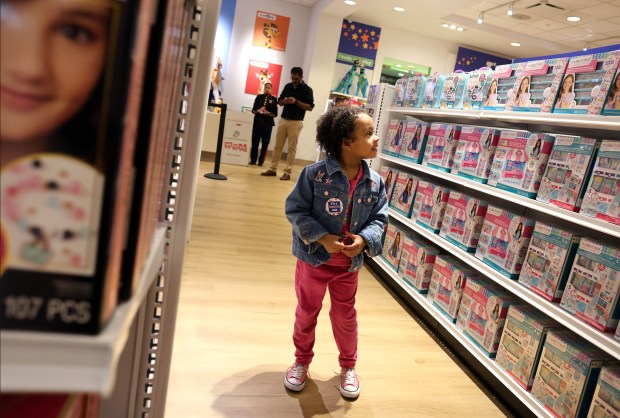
<point x="537" y="85"/>
<point x="394" y="137"/>
<point x="520" y="161"/>
<point x="586" y="83"/>
<point x="389" y="175"/>
<point x="612" y="103"/>
<point x="477" y="89"/>
<point x="522" y="340"/>
<point x="482" y="313"/>
<point x="447" y="283"/>
<point x="568" y="169"/>
<point x="548" y="261"/>
<point x="503" y="241"/>
<point x="602" y="197"/>
<point x="414" y="93"/>
<point x="416" y="263"/>
<point x="416" y="136"/>
<point x="502" y="84"/>
<point x="592" y="289"/>
<point x="430" y="205"/>
<point x="453" y="91"/>
<point x="441" y="146"/>
<point x="462" y="222"/>
<point x="432" y="91"/>
<point x="474" y="153"/>
<point x="393" y="245"/>
<point x="399" y="92"/>
<point x="404" y="193"/>
<point x="566" y="374"/>
<point x="606" y="399"/>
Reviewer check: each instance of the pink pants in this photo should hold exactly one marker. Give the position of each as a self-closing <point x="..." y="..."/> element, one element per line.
<point x="310" y="286"/>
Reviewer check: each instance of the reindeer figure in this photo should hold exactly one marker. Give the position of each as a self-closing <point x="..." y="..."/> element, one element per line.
<point x="270" y="30"/>
<point x="264" y="77"/>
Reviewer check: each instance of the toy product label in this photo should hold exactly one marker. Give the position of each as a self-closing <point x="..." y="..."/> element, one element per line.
<point x="415" y="91"/>
<point x="430" y="205"/>
<point x="606" y="400"/>
<point x="501" y="88"/>
<point x="416" y="135"/>
<point x="537" y="85"/>
<point x="478" y="86"/>
<point x="602" y="197"/>
<point x="446" y="287"/>
<point x="389" y="175"/>
<point x="432" y="91"/>
<point x="394" y="138"/>
<point x="399" y="92"/>
<point x="442" y="141"/>
<point x="416" y="263"/>
<point x="392" y="246"/>
<point x="612" y="103"/>
<point x="474" y="153"/>
<point x="463" y="220"/>
<point x="453" y="91"/>
<point x="404" y="192"/>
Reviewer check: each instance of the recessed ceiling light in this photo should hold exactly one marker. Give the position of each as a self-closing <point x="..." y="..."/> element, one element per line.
<point x="453" y="27"/>
<point x="573" y="18"/>
<point x="445" y="25"/>
<point x="398" y="9"/>
<point x="515" y="44"/>
<point x="460" y="29"/>
<point x="350" y="2"/>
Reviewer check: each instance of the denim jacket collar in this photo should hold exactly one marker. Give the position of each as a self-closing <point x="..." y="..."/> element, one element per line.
<point x="333" y="166"/>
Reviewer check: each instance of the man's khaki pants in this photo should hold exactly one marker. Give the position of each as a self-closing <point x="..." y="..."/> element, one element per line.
<point x="286" y="129"/>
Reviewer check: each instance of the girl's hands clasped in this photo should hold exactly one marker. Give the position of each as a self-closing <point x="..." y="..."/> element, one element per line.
<point x="355" y="244"/>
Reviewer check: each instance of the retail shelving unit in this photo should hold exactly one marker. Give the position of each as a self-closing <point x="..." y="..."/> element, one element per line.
<point x="585" y="125"/>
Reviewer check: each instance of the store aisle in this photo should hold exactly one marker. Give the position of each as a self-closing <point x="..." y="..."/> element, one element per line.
<point x="233" y="333"/>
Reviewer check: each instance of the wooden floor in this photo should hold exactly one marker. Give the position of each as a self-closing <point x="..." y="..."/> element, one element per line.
<point x="235" y="320"/>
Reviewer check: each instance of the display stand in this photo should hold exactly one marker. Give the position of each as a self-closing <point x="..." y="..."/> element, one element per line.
<point x="220" y="141"/>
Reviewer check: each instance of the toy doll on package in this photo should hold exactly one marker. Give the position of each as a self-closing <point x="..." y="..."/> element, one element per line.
<point x="394" y="138"/>
<point x="432" y="91"/>
<point x="602" y="197"/>
<point x="389" y="175"/>
<point x="462" y="222"/>
<point x="453" y="91"/>
<point x="537" y="85"/>
<point x="501" y="85"/>
<point x="441" y="146"/>
<point x="478" y="86"/>
<point x="414" y="93"/>
<point x="612" y="104"/>
<point x="416" y="135"/>
<point x="392" y="245"/>
<point x="448" y="280"/>
<point x="430" y="205"/>
<point x="520" y="161"/>
<point x="416" y="263"/>
<point x="593" y="285"/>
<point x="474" y="153"/>
<point x="399" y="92"/>
<point x="404" y="193"/>
<point x="586" y="83"/>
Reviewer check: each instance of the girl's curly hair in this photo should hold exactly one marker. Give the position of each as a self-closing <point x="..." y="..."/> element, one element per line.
<point x="334" y="127"/>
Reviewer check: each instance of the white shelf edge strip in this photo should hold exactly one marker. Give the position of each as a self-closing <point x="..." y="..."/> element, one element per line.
<point x="487" y="362"/>
<point x="53" y="362"/>
<point x="574" y="217"/>
<point x="601" y="340"/>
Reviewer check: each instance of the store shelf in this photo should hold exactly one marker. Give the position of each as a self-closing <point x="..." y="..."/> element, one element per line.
<point x="493" y="193"/>
<point x="490" y="364"/>
<point x="601" y="340"/>
<point x="48" y="362"/>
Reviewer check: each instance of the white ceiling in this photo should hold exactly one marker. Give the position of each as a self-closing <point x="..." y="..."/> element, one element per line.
<point x="541" y="30"/>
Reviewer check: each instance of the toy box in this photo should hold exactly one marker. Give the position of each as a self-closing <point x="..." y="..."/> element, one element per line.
<point x="548" y="261"/>
<point x="414" y="93"/>
<point x="520" y="161"/>
<point x="404" y="193"/>
<point x="586" y="83"/>
<point x="593" y="284"/>
<point x="462" y="222"/>
<point x="447" y="282"/>
<point x="416" y="263"/>
<point x="568" y="170"/>
<point x="602" y="197"/>
<point x="478" y="86"/>
<point x="416" y="136"/>
<point x="394" y="138"/>
<point x="453" y="91"/>
<point x="503" y="241"/>
<point x="392" y="245"/>
<point x="399" y="92"/>
<point x="389" y="175"/>
<point x="522" y="340"/>
<point x="430" y="205"/>
<point x="566" y="374"/>
<point x="482" y="313"/>
<point x="441" y="146"/>
<point x="474" y="153"/>
<point x="612" y="103"/>
<point x="606" y="399"/>
<point x="537" y="85"/>
<point x="502" y="84"/>
<point x="432" y="90"/>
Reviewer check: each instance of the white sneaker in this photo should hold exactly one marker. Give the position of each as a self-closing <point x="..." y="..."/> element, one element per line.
<point x="349" y="383"/>
<point x="295" y="377"/>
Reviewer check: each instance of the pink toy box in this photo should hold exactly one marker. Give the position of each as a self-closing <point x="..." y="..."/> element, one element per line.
<point x="394" y="137"/>
<point x="606" y="400"/>
<point x="416" y="263"/>
<point x="462" y="222"/>
<point x="447" y="283"/>
<point x="522" y="340"/>
<point x="566" y="374"/>
<point x="453" y="90"/>
<point x="441" y="146"/>
<point x="586" y="83"/>
<point x="602" y="197"/>
<point x="389" y="175"/>
<point x="477" y="89"/>
<point x="548" y="260"/>
<point x="502" y="83"/>
<point x="568" y="170"/>
<point x="399" y="92"/>
<point x="474" y="153"/>
<point x="592" y="289"/>
<point x="416" y="135"/>
<point x="482" y="313"/>
<point x="404" y="192"/>
<point x="393" y="245"/>
<point x="612" y="103"/>
<point x="537" y="85"/>
<point x="414" y="93"/>
<point x="520" y="162"/>
<point x="430" y="205"/>
<point x="503" y="241"/>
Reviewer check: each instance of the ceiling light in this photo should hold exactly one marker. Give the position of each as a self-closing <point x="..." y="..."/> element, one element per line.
<point x="509" y="12"/>
<point x="573" y="18"/>
<point x="398" y="65"/>
<point x="460" y="29"/>
<point x="515" y="44"/>
<point x="480" y="18"/>
<point x="445" y="25"/>
<point x="453" y="27"/>
<point x="350" y="2"/>
<point x="399" y="9"/>
<point x="585" y="47"/>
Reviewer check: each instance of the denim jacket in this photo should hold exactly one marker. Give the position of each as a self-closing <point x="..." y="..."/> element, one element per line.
<point x="318" y="203"/>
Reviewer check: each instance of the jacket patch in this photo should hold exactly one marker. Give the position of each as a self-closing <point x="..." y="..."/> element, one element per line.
<point x="334" y="206"/>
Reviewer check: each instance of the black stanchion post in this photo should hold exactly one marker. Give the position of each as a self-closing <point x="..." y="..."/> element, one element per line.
<point x="220" y="140"/>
